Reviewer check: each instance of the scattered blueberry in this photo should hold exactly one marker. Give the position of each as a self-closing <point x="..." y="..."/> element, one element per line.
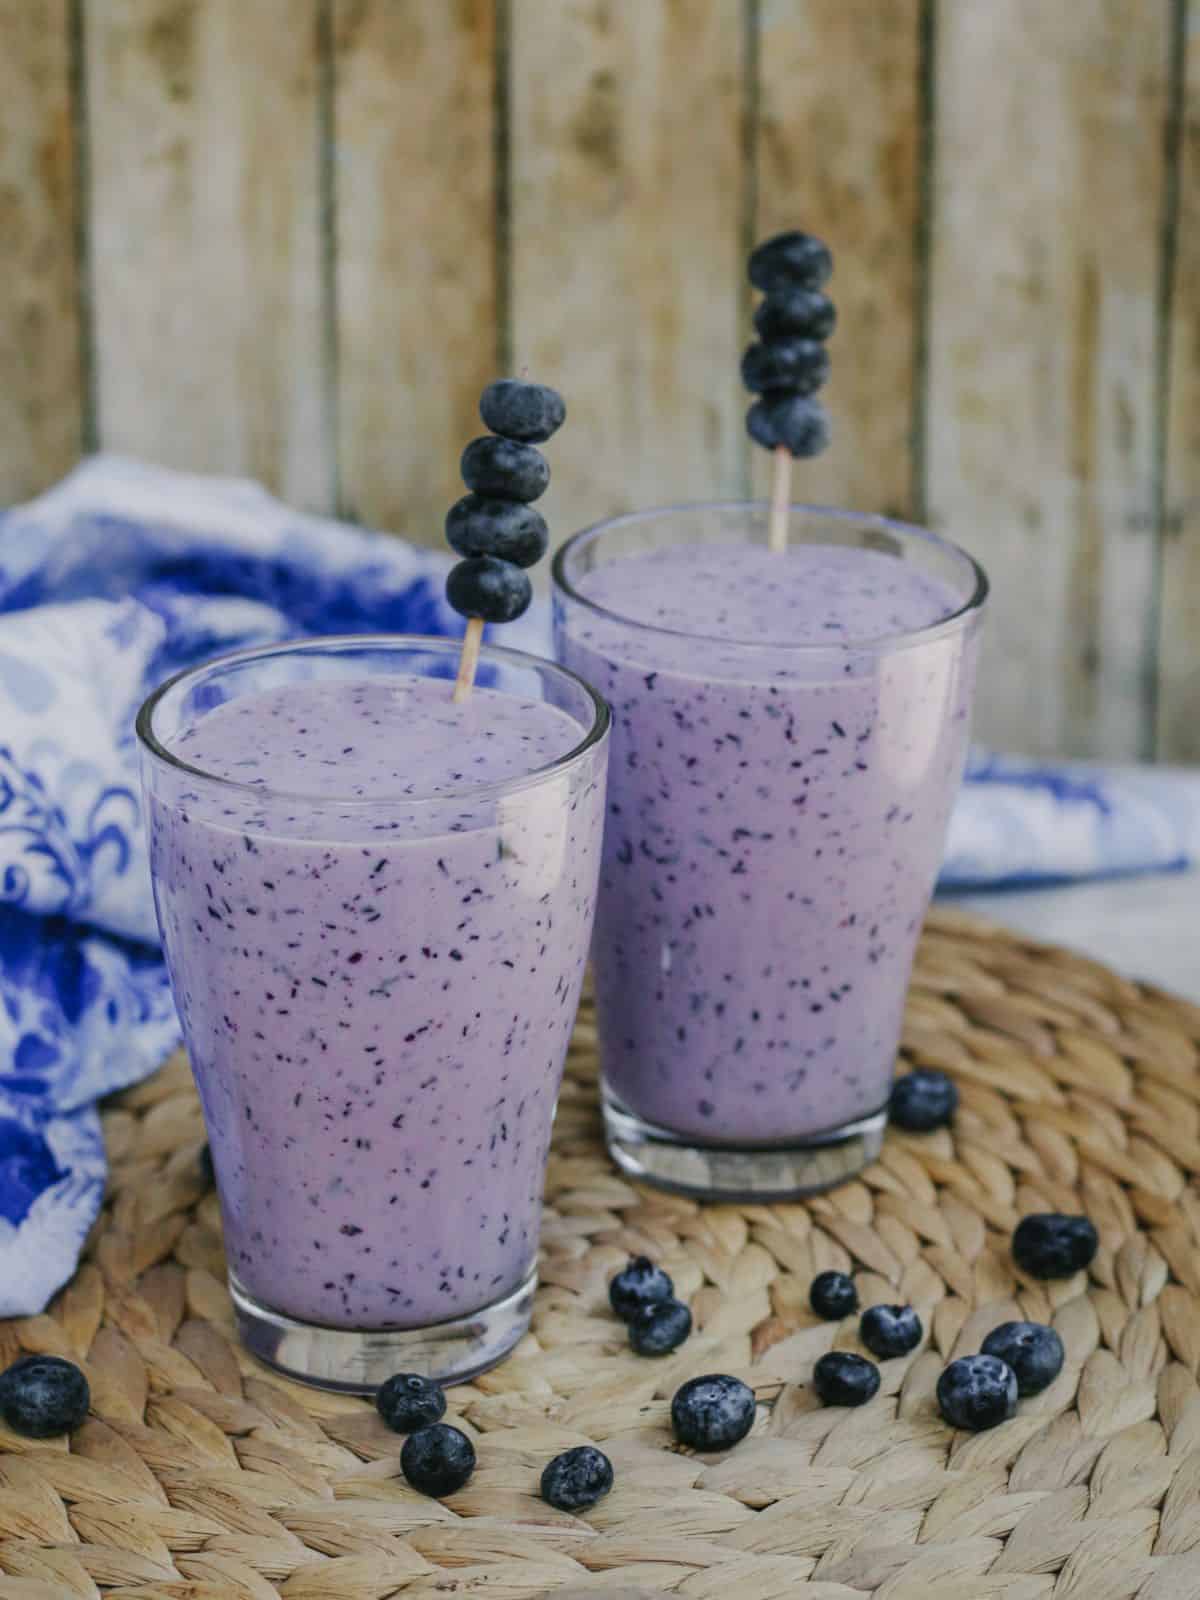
<point x="798" y="365"/>
<point x="42" y="1396"/>
<point x="792" y="260"/>
<point x="712" y="1413"/>
<point x="659" y="1328"/>
<point x="806" y="312"/>
<point x="639" y="1284"/>
<point x="833" y="1295"/>
<point x="506" y="529"/>
<point x="843" y="1379"/>
<point x="1033" y="1351"/>
<point x="408" y="1401"/>
<point x="923" y="1100"/>
<point x="486" y="587"/>
<point x="889" y="1331"/>
<point x="505" y="469"/>
<point x="792" y="420"/>
<point x="437" y="1460"/>
<point x="977" y="1392"/>
<point x="527" y="412"/>
<point x="577" y="1478"/>
<point x="1050" y="1245"/>
<point x="205" y="1163"/>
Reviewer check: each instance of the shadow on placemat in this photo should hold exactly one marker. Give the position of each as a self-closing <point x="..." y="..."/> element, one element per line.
<point x="200" y="1476"/>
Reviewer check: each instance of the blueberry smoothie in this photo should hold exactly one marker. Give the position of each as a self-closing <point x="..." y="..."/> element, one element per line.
<point x="376" y="943"/>
<point x="775" y="821"/>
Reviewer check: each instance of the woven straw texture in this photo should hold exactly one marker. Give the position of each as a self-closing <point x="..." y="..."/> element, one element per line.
<point x="200" y="1476"/>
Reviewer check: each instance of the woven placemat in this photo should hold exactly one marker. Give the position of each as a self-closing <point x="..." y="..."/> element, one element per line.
<point x="201" y="1475"/>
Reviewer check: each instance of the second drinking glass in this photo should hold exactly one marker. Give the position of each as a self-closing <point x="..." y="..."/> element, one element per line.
<point x="789" y="731"/>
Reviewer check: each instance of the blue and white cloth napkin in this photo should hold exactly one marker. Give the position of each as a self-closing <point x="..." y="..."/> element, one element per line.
<point x="123" y="574"/>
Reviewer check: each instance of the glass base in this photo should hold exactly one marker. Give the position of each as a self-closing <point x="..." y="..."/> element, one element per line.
<point x="739" y="1172"/>
<point x="357" y="1361"/>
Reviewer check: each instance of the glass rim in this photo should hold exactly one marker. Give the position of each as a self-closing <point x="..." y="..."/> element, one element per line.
<point x="443" y="644"/>
<point x="952" y="623"/>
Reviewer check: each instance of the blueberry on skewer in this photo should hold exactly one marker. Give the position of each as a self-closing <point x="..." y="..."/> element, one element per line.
<point x="493" y="527"/>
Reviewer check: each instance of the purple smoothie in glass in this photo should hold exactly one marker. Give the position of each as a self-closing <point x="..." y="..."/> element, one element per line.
<point x="775" y="819"/>
<point x="377" y="961"/>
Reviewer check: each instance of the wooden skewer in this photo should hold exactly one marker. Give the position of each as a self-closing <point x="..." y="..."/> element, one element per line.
<point x="781" y="499"/>
<point x="469" y="660"/>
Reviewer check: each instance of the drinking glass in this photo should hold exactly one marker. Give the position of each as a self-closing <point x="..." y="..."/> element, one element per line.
<point x="377" y="993"/>
<point x="776" y="815"/>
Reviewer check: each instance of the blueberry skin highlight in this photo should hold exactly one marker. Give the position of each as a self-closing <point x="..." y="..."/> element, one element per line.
<point x="792" y="260"/>
<point x="485" y="587"/>
<point x="977" y="1392"/>
<point x="712" y="1413"/>
<point x="506" y="529"/>
<point x="794" y="421"/>
<point x="842" y="1378"/>
<point x="639" y="1284"/>
<point x="42" y="1397"/>
<point x="806" y="313"/>
<point x="890" y="1331"/>
<point x="659" y="1328"/>
<point x="526" y="412"/>
<point x="923" y="1100"/>
<point x="407" y="1401"/>
<point x="1033" y="1351"/>
<point x="437" y="1460"/>
<point x="800" y="366"/>
<point x="1049" y="1244"/>
<point x="577" y="1478"/>
<point x="833" y="1296"/>
<point x="505" y="469"/>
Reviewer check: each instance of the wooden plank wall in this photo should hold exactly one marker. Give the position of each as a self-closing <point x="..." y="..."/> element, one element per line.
<point x="293" y="238"/>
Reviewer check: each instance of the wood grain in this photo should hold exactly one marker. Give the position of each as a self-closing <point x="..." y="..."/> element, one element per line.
<point x="1049" y="181"/>
<point x="626" y="248"/>
<point x="41" y="393"/>
<point x="416" y="275"/>
<point x="205" y="213"/>
<point x="1179" y="651"/>
<point x="838" y="148"/>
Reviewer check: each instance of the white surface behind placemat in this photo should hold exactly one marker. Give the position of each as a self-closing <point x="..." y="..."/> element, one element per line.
<point x="1146" y="927"/>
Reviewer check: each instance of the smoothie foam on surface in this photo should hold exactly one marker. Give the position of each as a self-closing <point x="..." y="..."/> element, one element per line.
<point x="775" y="822"/>
<point x="377" y="1023"/>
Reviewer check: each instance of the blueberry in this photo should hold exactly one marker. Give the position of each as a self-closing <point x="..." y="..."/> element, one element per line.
<point x="639" y="1284"/>
<point x="790" y="261"/>
<point x="923" y="1100"/>
<point x="1033" y="1351"/>
<point x="41" y="1396"/>
<point x="712" y="1413"/>
<point x="437" y="1460"/>
<point x="792" y="420"/>
<point x="205" y="1162"/>
<point x="833" y="1295"/>
<point x="485" y="587"/>
<point x="798" y="365"/>
<point x="505" y="469"/>
<point x="806" y="312"/>
<point x="506" y="529"/>
<point x="408" y="1401"/>
<point x="889" y="1331"/>
<point x="843" y="1379"/>
<point x="577" y="1478"/>
<point x="1050" y="1245"/>
<point x="659" y="1328"/>
<point x="528" y="412"/>
<point x="977" y="1392"/>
